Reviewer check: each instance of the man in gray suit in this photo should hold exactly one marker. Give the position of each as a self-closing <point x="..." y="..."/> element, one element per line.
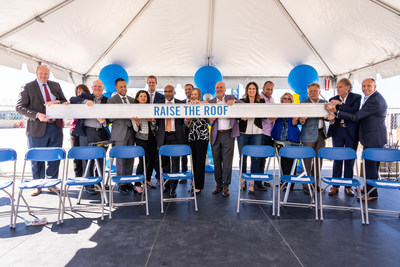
<point x="313" y="131"/>
<point x="223" y="134"/>
<point x="41" y="130"/>
<point x="122" y="133"/>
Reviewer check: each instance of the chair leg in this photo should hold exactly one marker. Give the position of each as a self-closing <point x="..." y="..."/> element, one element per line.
<point x="16" y="210"/>
<point x="279" y="198"/>
<point x="63" y="203"/>
<point x="320" y="203"/>
<point x="240" y="190"/>
<point x="26" y="204"/>
<point x="161" y="190"/>
<point x="59" y="206"/>
<point x="361" y="205"/>
<point x="79" y="196"/>
<point x="366" y="205"/>
<point x="146" y="197"/>
<point x="111" y="198"/>
<point x="315" y="200"/>
<point x="288" y="186"/>
<point x="273" y="198"/>
<point x="195" y="196"/>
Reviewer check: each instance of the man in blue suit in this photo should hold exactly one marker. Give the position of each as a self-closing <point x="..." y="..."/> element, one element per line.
<point x="153" y="155"/>
<point x="344" y="133"/>
<point x="372" y="129"/>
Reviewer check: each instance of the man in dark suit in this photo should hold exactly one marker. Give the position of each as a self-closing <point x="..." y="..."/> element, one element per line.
<point x="223" y="134"/>
<point x="153" y="155"/>
<point x="188" y="90"/>
<point x="95" y="130"/>
<point x="372" y="130"/>
<point x="122" y="133"/>
<point x="344" y="133"/>
<point x="313" y="131"/>
<point x="170" y="131"/>
<point x="41" y="130"/>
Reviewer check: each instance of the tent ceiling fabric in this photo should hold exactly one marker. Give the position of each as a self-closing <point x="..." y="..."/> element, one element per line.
<point x="251" y="38"/>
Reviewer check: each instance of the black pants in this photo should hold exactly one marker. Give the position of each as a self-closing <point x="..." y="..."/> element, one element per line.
<point x="199" y="152"/>
<point x="170" y="139"/>
<point x="78" y="166"/>
<point x="93" y="136"/>
<point x="140" y="167"/>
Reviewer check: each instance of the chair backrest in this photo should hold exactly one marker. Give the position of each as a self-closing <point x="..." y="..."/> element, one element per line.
<point x="297" y="152"/>
<point x="174" y="150"/>
<point x="381" y="154"/>
<point x="337" y="153"/>
<point x="7" y="154"/>
<point x="126" y="152"/>
<point x="258" y="151"/>
<point x="45" y="154"/>
<point x="86" y="152"/>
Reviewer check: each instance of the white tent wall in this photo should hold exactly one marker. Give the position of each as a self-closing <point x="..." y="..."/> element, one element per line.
<point x="245" y="40"/>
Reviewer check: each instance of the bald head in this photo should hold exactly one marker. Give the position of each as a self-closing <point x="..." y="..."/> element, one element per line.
<point x="220" y="89"/>
<point x="42" y="73"/>
<point x="368" y="86"/>
<point x="97" y="88"/>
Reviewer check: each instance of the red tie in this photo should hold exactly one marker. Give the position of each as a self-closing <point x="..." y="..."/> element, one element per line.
<point x="46" y="92"/>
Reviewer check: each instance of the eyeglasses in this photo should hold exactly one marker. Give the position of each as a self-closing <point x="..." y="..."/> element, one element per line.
<point x="287" y="98"/>
<point x="168" y="91"/>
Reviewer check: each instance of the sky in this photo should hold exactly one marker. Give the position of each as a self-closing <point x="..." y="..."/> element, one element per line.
<point x="11" y="81"/>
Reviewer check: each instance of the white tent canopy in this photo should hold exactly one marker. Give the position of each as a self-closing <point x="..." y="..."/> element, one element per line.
<point x="245" y="40"/>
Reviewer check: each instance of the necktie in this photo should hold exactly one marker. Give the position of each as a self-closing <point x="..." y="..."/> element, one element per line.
<point x="124" y="100"/>
<point x="168" y="126"/>
<point x="46" y="92"/>
<point x="48" y="98"/>
<point x="151" y="98"/>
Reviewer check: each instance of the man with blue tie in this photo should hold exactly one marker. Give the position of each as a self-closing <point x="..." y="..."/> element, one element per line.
<point x="344" y="132"/>
<point x="372" y="130"/>
<point x="41" y="130"/>
<point x="154" y="98"/>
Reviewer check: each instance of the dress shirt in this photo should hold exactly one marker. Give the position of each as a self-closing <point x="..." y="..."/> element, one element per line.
<point x="52" y="97"/>
<point x="223" y="124"/>
<point x="94" y="123"/>
<point x="267" y="125"/>
<point x="172" y="120"/>
<point x="366" y="98"/>
<point x="152" y="97"/>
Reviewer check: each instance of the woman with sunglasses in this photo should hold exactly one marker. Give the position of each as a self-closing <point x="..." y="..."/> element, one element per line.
<point x="285" y="132"/>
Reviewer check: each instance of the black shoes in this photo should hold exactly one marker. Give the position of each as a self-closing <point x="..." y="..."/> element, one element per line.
<point x="123" y="190"/>
<point x="173" y="193"/>
<point x="90" y="190"/>
<point x="260" y="187"/>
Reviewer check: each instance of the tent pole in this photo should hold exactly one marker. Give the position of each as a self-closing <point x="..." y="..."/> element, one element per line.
<point x="210" y="31"/>
<point x="301" y="33"/>
<point x="386" y="6"/>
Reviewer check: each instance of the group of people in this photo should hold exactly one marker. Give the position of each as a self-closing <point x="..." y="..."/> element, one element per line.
<point x="348" y="124"/>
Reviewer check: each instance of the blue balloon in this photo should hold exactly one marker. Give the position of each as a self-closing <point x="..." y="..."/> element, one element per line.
<point x="300" y="77"/>
<point x="303" y="97"/>
<point x="205" y="79"/>
<point x="110" y="73"/>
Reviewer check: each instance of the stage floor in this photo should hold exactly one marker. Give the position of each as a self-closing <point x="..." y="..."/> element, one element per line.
<point x="215" y="235"/>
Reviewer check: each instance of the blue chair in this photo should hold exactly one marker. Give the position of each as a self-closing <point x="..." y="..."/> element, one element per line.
<point x="176" y="151"/>
<point x="41" y="154"/>
<point x="340" y="153"/>
<point x="8" y="154"/>
<point x="127" y="152"/>
<point x="258" y="151"/>
<point x="379" y="155"/>
<point x="298" y="153"/>
<point x="95" y="153"/>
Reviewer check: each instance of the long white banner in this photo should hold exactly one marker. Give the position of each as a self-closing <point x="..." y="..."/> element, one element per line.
<point x="82" y="111"/>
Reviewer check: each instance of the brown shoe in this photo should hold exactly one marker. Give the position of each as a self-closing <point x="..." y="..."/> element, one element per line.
<point x="349" y="192"/>
<point x="362" y="190"/>
<point x="158" y="183"/>
<point x="36" y="192"/>
<point x="54" y="189"/>
<point x="369" y="198"/>
<point x="334" y="191"/>
<point x="217" y="189"/>
<point x="226" y="192"/>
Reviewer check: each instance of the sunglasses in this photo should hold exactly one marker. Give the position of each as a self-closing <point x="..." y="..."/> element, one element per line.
<point x="287" y="98"/>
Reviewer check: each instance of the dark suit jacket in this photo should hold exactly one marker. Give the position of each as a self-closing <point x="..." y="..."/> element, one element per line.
<point x="179" y="128"/>
<point x="80" y="128"/>
<point x="352" y="105"/>
<point x="30" y="102"/>
<point x="158" y="97"/>
<point x="371" y="118"/>
<point x="119" y="126"/>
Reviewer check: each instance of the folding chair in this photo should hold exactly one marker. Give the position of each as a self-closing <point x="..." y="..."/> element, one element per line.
<point x="379" y="155"/>
<point x="258" y="151"/>
<point x="41" y="154"/>
<point x="8" y="154"/>
<point x="298" y="153"/>
<point x="85" y="153"/>
<point x="175" y="151"/>
<point x="340" y="153"/>
<point x="127" y="152"/>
